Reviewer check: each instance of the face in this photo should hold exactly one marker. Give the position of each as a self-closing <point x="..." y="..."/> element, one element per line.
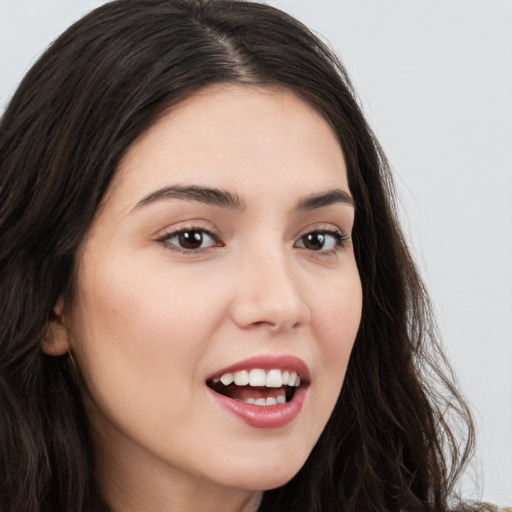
<point x="222" y="252"/>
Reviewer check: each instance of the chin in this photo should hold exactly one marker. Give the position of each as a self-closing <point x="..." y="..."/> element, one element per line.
<point x="261" y="475"/>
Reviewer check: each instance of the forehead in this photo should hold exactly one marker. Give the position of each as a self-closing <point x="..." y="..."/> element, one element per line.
<point x="234" y="136"/>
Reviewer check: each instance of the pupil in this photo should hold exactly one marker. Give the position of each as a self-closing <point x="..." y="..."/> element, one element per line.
<point x="191" y="239"/>
<point x="314" y="241"/>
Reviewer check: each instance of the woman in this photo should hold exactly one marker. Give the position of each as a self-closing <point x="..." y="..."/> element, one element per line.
<point x="194" y="217"/>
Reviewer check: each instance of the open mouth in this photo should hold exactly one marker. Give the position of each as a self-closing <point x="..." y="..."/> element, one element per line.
<point x="257" y="386"/>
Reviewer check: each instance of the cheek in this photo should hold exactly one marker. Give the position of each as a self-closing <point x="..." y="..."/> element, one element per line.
<point x="145" y="304"/>
<point x="338" y="314"/>
<point x="336" y="322"/>
<point x="134" y="331"/>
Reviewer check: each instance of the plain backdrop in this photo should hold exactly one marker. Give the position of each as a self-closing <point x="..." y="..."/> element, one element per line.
<point x="435" y="80"/>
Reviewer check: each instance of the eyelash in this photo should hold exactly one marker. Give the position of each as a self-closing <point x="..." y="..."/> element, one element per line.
<point x="339" y="237"/>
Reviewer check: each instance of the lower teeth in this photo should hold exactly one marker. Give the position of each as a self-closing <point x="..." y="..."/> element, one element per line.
<point x="265" y="401"/>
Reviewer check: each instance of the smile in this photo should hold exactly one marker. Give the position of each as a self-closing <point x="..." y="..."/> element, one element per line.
<point x="264" y="392"/>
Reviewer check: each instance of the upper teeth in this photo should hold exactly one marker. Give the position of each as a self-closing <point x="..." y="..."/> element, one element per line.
<point x="258" y="377"/>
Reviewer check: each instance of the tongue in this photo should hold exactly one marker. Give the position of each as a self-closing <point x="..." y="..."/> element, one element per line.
<point x="245" y="392"/>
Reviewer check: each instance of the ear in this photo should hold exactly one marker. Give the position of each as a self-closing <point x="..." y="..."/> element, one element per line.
<point x="56" y="342"/>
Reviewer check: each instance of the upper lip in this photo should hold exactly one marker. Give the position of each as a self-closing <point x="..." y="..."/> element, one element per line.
<point x="267" y="362"/>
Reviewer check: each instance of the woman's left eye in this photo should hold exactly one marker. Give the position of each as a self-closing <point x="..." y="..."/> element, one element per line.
<point x="191" y="239"/>
<point x="322" y="241"/>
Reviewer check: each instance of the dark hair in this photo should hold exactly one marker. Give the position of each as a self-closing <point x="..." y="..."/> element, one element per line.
<point x="388" y="445"/>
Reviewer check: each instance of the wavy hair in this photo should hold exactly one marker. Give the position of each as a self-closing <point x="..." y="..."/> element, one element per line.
<point x="390" y="444"/>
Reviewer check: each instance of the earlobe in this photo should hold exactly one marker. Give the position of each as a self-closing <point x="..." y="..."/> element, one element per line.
<point x="56" y="341"/>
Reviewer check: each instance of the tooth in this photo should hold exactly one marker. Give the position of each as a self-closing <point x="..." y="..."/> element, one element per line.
<point x="226" y="379"/>
<point x="271" y="401"/>
<point x="284" y="377"/>
<point x="241" y="378"/>
<point x="257" y="377"/>
<point x="260" y="401"/>
<point x="250" y="401"/>
<point x="297" y="382"/>
<point x="274" y="379"/>
<point x="291" y="380"/>
<point x="281" y="399"/>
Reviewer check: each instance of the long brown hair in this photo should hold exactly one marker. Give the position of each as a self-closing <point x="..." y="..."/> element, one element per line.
<point x="389" y="444"/>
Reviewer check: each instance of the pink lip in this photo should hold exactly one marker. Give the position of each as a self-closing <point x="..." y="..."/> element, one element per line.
<point x="268" y="416"/>
<point x="267" y="362"/>
<point x="263" y="416"/>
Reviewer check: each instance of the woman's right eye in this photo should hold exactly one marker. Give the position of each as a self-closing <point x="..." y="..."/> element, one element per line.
<point x="190" y="240"/>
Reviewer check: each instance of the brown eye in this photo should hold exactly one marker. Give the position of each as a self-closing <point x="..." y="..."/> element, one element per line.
<point x="314" y="241"/>
<point x="321" y="241"/>
<point x="190" y="239"/>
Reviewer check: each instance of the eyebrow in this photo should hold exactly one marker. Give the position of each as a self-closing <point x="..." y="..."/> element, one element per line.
<point x="333" y="196"/>
<point x="226" y="199"/>
<point x="211" y="196"/>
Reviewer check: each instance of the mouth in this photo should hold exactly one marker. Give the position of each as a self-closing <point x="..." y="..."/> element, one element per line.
<point x="265" y="392"/>
<point x="257" y="386"/>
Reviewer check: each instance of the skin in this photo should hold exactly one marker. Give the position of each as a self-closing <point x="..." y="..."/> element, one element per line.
<point x="150" y="322"/>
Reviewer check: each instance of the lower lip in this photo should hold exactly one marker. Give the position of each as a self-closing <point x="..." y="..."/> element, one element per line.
<point x="263" y="416"/>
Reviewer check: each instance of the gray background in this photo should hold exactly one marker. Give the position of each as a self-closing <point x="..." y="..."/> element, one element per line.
<point x="435" y="80"/>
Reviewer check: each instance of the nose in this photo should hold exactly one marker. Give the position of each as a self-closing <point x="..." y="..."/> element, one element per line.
<point x="269" y="294"/>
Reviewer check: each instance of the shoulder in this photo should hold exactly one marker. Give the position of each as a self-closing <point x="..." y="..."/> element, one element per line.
<point x="488" y="507"/>
<point x="494" y="508"/>
<point x="480" y="507"/>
